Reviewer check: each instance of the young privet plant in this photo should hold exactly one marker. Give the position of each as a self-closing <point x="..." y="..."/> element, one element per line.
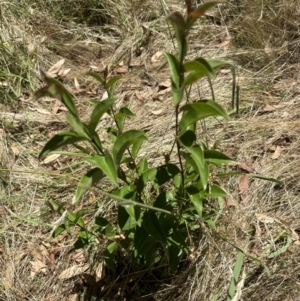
<point x="160" y="207"/>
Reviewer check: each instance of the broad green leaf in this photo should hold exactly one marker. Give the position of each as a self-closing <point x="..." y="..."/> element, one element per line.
<point x="174" y="68"/>
<point x="80" y="243"/>
<point x="124" y="141"/>
<point x="187" y="138"/>
<point x="112" y="81"/>
<point x="129" y="192"/>
<point x="216" y="191"/>
<point x="197" y="155"/>
<point x="173" y="253"/>
<point x="78" y="126"/>
<point x="194" y="15"/>
<point x="113" y="133"/>
<point x="142" y="165"/>
<point x="104" y="227"/>
<point x="143" y="241"/>
<point x="200" y="110"/>
<point x="136" y="146"/>
<point x="112" y="85"/>
<point x="101" y="108"/>
<point x="215" y="64"/>
<point x="159" y="175"/>
<point x="106" y="164"/>
<point x="179" y="25"/>
<point x="97" y="77"/>
<point x="58" y="231"/>
<point x="196" y="198"/>
<point x="59" y="140"/>
<point x="200" y="65"/>
<point x="87" y="181"/>
<point x="109" y="255"/>
<point x="235" y="277"/>
<point x="126" y="112"/>
<point x="125" y="221"/>
<point x="152" y="225"/>
<point x="216" y="157"/>
<point x="193" y="77"/>
<point x="121" y="116"/>
<point x="54" y="88"/>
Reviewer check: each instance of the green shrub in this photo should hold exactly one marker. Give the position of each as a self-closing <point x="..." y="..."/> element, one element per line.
<point x="160" y="207"/>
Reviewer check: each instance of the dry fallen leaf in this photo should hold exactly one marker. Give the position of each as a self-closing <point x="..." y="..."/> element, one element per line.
<point x="157" y="112"/>
<point x="39" y="263"/>
<point x="55" y="68"/>
<point x="277" y="152"/>
<point x="268" y="108"/>
<point x="75" y="270"/>
<point x="264" y="218"/>
<point x="139" y="96"/>
<point x="14" y="147"/>
<point x="246" y="167"/>
<point x="64" y="72"/>
<point x="156" y="56"/>
<point x="122" y="70"/>
<point x="243" y="186"/>
<point x="51" y="158"/>
<point x="56" y="106"/>
<point x="76" y="84"/>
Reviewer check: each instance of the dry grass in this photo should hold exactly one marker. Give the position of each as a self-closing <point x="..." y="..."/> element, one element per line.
<point x="262" y="37"/>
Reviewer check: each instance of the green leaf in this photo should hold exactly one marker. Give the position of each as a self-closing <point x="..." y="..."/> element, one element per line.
<point x="235" y="277"/>
<point x="193" y="77"/>
<point x="179" y="25"/>
<point x="101" y="108"/>
<point x="125" y="221"/>
<point x="197" y="155"/>
<point x="106" y="164"/>
<point x="88" y="180"/>
<point x="152" y="225"/>
<point x="173" y="253"/>
<point x="113" y="133"/>
<point x="215" y="64"/>
<point x="143" y="241"/>
<point x="97" y="77"/>
<point x="174" y="68"/>
<point x="175" y="77"/>
<point x="78" y="126"/>
<point x="216" y="157"/>
<point x="112" y="81"/>
<point x="104" y="227"/>
<point x="124" y="141"/>
<point x="109" y="255"/>
<point x="55" y="89"/>
<point x="121" y="116"/>
<point x="112" y="85"/>
<point x="59" y="140"/>
<point x="136" y="146"/>
<point x="187" y="138"/>
<point x="159" y="175"/>
<point x="200" y="110"/>
<point x="58" y="230"/>
<point x="196" y="198"/>
<point x="216" y="191"/>
<point x="194" y="15"/>
<point x="142" y="165"/>
<point x="200" y="65"/>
